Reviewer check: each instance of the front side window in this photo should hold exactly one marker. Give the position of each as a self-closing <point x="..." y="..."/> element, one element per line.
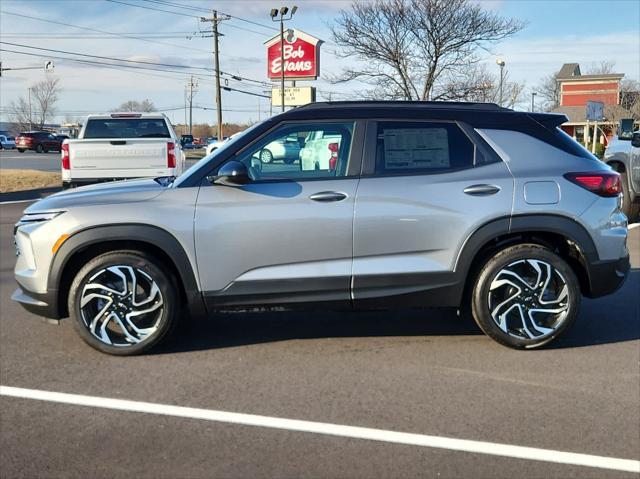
<point x="301" y="151"/>
<point x="422" y="148"/>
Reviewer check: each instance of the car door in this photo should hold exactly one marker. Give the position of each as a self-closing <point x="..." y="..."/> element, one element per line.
<point x="426" y="187"/>
<point x="286" y="236"/>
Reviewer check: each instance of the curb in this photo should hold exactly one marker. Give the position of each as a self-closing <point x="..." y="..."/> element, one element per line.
<point x="27" y="195"/>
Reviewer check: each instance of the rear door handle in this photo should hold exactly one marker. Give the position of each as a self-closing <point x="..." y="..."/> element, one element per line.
<point x="327" y="196"/>
<point x="481" y="190"/>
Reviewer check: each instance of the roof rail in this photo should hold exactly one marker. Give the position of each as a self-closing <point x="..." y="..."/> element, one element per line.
<point x="436" y="105"/>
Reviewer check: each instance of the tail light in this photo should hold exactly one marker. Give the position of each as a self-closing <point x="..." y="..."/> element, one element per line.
<point x="605" y="184"/>
<point x="333" y="159"/>
<point x="66" y="162"/>
<point x="171" y="155"/>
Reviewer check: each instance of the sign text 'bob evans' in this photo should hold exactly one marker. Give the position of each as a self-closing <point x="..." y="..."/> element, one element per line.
<point x="301" y="54"/>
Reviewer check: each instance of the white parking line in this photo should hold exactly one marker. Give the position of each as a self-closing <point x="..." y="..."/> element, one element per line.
<point x="439" y="442"/>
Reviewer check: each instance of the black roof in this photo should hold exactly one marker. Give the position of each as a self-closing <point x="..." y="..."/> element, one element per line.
<point x="479" y="115"/>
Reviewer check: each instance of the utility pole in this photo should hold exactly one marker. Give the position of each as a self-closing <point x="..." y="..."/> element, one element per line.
<point x="192" y="86"/>
<point x="533" y="104"/>
<point x="30" y="121"/>
<point x="216" y="47"/>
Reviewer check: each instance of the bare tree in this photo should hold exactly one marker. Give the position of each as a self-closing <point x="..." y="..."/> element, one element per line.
<point x="549" y="91"/>
<point x="600" y="68"/>
<point x="44" y="96"/>
<point x="134" y="105"/>
<point x="417" y="49"/>
<point x="19" y="115"/>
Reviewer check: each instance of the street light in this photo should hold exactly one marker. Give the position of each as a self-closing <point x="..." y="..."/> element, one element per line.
<point x="274" y="17"/>
<point x="533" y="105"/>
<point x="501" y="63"/>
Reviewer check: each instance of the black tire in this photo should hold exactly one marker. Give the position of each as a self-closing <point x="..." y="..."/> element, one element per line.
<point x="525" y="257"/>
<point x="630" y="209"/>
<point x="39" y="148"/>
<point x="163" y="318"/>
<point x="21" y="150"/>
<point x="266" y="156"/>
<point x="289" y="161"/>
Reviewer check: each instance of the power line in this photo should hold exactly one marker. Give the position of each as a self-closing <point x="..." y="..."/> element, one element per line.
<point x="111" y="65"/>
<point x="101" y="31"/>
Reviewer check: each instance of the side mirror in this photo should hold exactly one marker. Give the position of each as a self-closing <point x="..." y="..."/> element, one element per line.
<point x="232" y="173"/>
<point x="635" y="140"/>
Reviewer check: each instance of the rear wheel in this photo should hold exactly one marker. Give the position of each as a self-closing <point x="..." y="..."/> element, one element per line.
<point x="123" y="302"/>
<point x="628" y="208"/>
<point x="525" y="296"/>
<point x="21" y="150"/>
<point x="266" y="156"/>
<point x="39" y="148"/>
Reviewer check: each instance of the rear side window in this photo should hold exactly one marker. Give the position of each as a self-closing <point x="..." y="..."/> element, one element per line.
<point x="422" y="148"/>
<point x="126" y="128"/>
<point x="570" y="145"/>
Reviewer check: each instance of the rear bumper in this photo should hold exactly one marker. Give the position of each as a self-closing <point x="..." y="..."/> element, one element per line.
<point x="37" y="303"/>
<point x="606" y="277"/>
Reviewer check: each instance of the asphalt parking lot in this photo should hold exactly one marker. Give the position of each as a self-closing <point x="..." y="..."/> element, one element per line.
<point x="422" y="372"/>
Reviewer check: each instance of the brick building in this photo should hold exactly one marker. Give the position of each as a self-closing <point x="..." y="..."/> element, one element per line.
<point x="575" y="90"/>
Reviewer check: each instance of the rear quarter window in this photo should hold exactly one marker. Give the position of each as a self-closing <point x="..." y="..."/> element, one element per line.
<point x="422" y="148"/>
<point x="126" y="128"/>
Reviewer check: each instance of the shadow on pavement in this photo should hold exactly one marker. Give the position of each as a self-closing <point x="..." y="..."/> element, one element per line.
<point x="613" y="319"/>
<point x="237" y="329"/>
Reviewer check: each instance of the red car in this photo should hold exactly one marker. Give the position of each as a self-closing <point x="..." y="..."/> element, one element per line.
<point x="40" y="141"/>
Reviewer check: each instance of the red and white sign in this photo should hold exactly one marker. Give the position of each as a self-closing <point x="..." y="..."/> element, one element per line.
<point x="301" y="56"/>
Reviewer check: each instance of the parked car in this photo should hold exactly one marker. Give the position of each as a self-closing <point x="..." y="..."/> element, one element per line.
<point x="121" y="146"/>
<point x="215" y="144"/>
<point x="470" y="206"/>
<point x="618" y="155"/>
<point x="7" y="142"/>
<point x="285" y="149"/>
<point x="39" y="141"/>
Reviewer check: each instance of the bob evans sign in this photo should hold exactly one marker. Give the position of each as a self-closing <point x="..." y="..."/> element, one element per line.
<point x="301" y="56"/>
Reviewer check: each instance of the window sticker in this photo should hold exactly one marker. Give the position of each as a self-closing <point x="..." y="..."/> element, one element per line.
<point x="416" y="148"/>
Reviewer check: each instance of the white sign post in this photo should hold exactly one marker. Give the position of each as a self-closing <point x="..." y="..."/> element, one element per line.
<point x="294" y="96"/>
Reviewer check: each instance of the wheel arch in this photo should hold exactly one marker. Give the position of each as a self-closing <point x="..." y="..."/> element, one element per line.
<point x="561" y="234"/>
<point x="91" y="242"/>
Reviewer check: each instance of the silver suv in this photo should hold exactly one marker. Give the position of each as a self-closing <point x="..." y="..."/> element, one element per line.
<point x="470" y="206"/>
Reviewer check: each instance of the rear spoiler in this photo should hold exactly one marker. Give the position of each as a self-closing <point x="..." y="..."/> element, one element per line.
<point x="549" y="120"/>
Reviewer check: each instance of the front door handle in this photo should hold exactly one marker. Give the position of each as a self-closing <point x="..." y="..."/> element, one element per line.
<point x="327" y="196"/>
<point x="481" y="190"/>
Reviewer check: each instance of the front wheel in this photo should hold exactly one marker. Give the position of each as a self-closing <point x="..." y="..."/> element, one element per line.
<point x="21" y="150"/>
<point x="123" y="302"/>
<point x="525" y="296"/>
<point x="39" y="149"/>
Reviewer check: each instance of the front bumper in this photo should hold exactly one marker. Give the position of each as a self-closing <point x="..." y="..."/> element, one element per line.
<point x="45" y="305"/>
<point x="606" y="277"/>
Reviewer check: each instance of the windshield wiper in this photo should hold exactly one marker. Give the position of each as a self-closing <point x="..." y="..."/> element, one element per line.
<point x="165" y="180"/>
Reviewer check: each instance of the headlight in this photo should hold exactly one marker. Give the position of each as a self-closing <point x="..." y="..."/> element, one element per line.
<point x="31" y="218"/>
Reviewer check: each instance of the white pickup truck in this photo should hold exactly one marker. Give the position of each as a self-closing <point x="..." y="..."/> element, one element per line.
<point x="119" y="146"/>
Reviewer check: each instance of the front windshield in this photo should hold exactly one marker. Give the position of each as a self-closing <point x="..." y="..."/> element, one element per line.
<point x="223" y="147"/>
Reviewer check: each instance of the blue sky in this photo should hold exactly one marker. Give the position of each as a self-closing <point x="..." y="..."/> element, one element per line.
<point x="585" y="31"/>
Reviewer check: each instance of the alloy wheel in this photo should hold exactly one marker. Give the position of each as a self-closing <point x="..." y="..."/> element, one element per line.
<point x="121" y="305"/>
<point x="529" y="299"/>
